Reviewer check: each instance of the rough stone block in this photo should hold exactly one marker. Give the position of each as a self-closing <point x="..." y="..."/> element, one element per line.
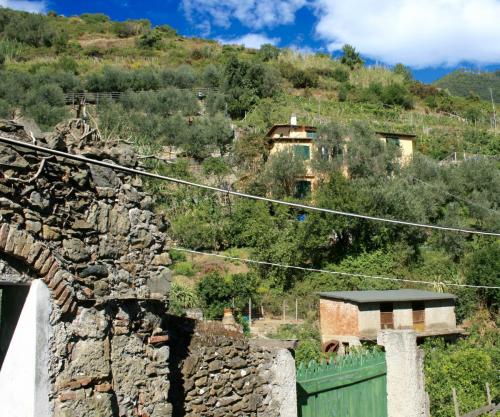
<point x="87" y="361"/>
<point x="4" y="233"/>
<point x="35" y="250"/>
<point x="41" y="259"/>
<point x="159" y="283"/>
<point x="11" y="240"/>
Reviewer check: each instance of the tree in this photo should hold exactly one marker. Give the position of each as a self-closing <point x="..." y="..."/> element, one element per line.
<point x="483" y="268"/>
<point x="268" y="52"/>
<point x="281" y="173"/>
<point x="351" y="57"/>
<point x="32" y="29"/>
<point x="220" y="132"/>
<point x="404" y="71"/>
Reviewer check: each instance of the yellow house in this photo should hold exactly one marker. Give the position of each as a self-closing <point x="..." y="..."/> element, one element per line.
<point x="300" y="139"/>
<point x="406" y="142"/>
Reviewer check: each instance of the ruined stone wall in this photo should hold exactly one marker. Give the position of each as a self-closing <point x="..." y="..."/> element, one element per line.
<point x="92" y="237"/>
<point x="90" y="234"/>
<point x="222" y="373"/>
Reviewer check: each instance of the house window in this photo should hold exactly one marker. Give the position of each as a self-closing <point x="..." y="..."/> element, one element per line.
<point x="302" y="151"/>
<point x="393" y="140"/>
<point x="311" y="134"/>
<point x="386" y="316"/>
<point x="418" y="310"/>
<point x="302" y="189"/>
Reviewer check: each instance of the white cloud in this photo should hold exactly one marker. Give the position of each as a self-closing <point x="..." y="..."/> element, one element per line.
<point x="251" y="13"/>
<point x="26" y="5"/>
<point x="250" y="40"/>
<point x="419" y="33"/>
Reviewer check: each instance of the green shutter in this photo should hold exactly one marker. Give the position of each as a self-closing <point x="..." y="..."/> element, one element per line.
<point x="393" y="140"/>
<point x="302" y="151"/>
<point x="302" y="189"/>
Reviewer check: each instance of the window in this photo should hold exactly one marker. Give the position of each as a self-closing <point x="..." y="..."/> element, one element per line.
<point x="386" y="316"/>
<point x="311" y="134"/>
<point x="302" y="151"/>
<point x="393" y="140"/>
<point x="302" y="189"/>
<point x="418" y="310"/>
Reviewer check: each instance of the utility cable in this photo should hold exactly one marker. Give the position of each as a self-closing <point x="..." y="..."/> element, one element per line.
<point x="134" y="171"/>
<point x="324" y="271"/>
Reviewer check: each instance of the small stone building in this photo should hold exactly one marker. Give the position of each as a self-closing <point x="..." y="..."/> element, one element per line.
<point x="349" y="317"/>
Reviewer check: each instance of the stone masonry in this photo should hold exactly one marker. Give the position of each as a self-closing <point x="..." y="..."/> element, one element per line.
<point x="91" y="235"/>
<point x="221" y="373"/>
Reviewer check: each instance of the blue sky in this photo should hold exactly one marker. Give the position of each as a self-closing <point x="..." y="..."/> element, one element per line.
<point x="433" y="37"/>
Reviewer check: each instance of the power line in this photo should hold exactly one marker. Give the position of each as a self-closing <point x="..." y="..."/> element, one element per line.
<point x="324" y="271"/>
<point x="237" y="193"/>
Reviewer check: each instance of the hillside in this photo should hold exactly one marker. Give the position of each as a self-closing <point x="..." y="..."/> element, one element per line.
<point x="198" y="110"/>
<point x="463" y="83"/>
<point x="92" y="53"/>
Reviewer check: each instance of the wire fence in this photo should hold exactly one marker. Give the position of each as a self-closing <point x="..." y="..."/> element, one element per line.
<point x="96" y="97"/>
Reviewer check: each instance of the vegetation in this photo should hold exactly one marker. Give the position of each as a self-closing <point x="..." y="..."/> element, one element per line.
<point x="205" y="108"/>
<point x="470" y="84"/>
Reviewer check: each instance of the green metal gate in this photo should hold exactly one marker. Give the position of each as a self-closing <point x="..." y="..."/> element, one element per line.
<point x="345" y="386"/>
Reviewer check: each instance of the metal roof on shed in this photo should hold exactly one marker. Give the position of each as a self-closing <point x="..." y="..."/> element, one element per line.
<point x="386" y="296"/>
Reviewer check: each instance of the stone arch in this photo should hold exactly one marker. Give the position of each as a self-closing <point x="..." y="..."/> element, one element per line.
<point x="38" y="257"/>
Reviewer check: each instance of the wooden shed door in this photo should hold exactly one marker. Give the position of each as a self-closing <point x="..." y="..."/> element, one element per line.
<point x="418" y="309"/>
<point x="386" y="316"/>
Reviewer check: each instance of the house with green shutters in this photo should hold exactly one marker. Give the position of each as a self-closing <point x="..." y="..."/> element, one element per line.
<point x="300" y="139"/>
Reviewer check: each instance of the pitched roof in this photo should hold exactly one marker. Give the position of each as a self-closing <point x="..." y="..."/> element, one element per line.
<point x="406" y="135"/>
<point x="273" y="128"/>
<point x="386" y="296"/>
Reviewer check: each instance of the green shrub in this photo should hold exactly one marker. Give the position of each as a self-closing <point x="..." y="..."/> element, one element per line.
<point x="466" y="367"/>
<point x="341" y="75"/>
<point x="94" y="18"/>
<point x="177" y="256"/>
<point x="215" y="294"/>
<point x="32" y="29"/>
<point x="304" y="79"/>
<point x="181" y="298"/>
<point x="184" y="268"/>
<point x="151" y="40"/>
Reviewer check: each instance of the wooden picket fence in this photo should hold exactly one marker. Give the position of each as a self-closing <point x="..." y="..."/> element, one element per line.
<point x="490" y="408"/>
<point x="344" y="386"/>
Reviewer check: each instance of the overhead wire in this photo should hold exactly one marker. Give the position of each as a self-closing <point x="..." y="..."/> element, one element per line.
<point x="325" y="271"/>
<point x="129" y="170"/>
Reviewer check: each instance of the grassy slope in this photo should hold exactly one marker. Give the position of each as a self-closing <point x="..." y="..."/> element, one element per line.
<point x="462" y="83"/>
<point x="95" y="45"/>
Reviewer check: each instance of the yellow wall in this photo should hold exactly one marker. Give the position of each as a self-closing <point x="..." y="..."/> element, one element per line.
<point x="290" y="132"/>
<point x="407" y="147"/>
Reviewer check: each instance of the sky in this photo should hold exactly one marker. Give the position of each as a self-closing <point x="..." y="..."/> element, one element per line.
<point x="432" y="37"/>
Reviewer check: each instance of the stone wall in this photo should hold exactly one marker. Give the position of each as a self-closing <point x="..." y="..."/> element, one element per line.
<point x="91" y="235"/>
<point x="221" y="373"/>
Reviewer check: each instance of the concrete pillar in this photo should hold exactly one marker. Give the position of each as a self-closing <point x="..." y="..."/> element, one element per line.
<point x="24" y="377"/>
<point x="405" y="377"/>
<point x="284" y="383"/>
